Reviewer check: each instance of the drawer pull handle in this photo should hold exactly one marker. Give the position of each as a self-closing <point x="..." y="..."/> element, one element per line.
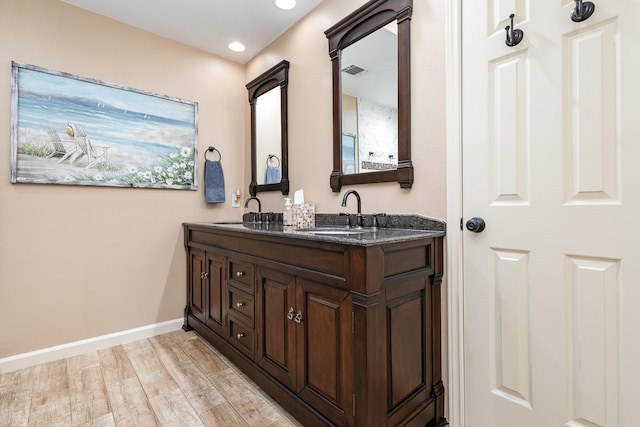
<point x="240" y="304"/>
<point x="240" y="335"/>
<point x="240" y="273"/>
<point x="290" y="314"/>
<point x="298" y="318"/>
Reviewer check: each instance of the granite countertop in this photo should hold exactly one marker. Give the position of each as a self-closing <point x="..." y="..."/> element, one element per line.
<point x="391" y="229"/>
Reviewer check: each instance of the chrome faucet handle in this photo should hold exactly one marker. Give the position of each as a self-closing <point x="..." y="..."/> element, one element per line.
<point x="359" y="220"/>
<point x="348" y="218"/>
<point x="374" y="219"/>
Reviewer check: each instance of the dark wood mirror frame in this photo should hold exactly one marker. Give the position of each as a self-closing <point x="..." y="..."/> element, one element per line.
<point x="272" y="78"/>
<point x="362" y="22"/>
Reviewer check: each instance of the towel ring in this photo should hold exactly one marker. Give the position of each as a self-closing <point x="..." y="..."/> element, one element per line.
<point x="273" y="156"/>
<point x="212" y="149"/>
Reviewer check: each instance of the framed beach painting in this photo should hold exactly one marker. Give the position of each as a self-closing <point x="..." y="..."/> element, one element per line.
<point x="67" y="129"/>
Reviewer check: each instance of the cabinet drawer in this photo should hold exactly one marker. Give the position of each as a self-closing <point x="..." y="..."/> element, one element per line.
<point x="241" y="304"/>
<point x="241" y="337"/>
<point x="241" y="275"/>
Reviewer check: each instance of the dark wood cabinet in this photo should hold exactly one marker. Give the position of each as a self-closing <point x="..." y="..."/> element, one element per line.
<point x="338" y="334"/>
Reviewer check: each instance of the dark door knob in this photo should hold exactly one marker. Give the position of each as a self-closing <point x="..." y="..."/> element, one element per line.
<point x="475" y="224"/>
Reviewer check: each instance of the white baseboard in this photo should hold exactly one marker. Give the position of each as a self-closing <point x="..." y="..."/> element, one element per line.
<point x="24" y="360"/>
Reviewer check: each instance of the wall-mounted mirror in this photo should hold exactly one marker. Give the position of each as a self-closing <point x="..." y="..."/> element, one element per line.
<point x="269" y="139"/>
<point x="369" y="50"/>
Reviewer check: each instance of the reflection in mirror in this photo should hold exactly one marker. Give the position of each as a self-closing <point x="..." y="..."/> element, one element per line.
<point x="268" y="137"/>
<point x="269" y="140"/>
<point x="370" y="103"/>
<point x="370" y="56"/>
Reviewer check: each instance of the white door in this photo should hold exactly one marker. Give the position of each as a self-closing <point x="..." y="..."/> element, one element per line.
<point x="551" y="162"/>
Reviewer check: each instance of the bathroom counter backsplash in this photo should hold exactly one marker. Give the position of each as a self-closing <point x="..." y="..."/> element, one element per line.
<point x="395" y="221"/>
<point x="391" y="229"/>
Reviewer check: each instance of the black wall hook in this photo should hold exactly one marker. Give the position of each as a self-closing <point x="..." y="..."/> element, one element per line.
<point x="514" y="36"/>
<point x="582" y="11"/>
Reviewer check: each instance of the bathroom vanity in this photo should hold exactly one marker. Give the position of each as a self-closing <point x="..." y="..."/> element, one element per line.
<point x="340" y="326"/>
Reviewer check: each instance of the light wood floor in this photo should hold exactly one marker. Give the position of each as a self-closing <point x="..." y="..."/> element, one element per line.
<point x="175" y="379"/>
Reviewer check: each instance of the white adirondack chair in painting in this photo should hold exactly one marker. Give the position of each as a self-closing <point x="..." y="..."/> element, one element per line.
<point x="64" y="149"/>
<point x="95" y="153"/>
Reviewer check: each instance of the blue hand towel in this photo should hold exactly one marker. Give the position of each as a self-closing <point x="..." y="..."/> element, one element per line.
<point x="213" y="181"/>
<point x="273" y="175"/>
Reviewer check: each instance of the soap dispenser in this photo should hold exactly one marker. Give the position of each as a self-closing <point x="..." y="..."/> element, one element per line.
<point x="287" y="215"/>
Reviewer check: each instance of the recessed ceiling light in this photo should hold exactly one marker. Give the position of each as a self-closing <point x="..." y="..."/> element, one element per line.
<point x="236" y="47"/>
<point x="286" y="4"/>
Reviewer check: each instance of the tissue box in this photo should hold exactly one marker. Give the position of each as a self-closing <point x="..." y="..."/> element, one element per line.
<point x="304" y="215"/>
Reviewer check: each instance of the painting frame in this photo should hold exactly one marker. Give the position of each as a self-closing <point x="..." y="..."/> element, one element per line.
<point x="73" y="130"/>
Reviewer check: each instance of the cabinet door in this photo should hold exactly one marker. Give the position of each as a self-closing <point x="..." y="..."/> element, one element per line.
<point x="276" y="352"/>
<point x="197" y="294"/>
<point x="410" y="334"/>
<point x="206" y="289"/>
<point x="324" y="350"/>
<point x="215" y="295"/>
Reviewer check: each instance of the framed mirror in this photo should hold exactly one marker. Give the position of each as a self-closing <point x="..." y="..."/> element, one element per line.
<point x="269" y="138"/>
<point x="371" y="67"/>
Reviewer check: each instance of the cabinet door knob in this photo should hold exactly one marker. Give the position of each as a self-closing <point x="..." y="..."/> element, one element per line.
<point x="298" y="318"/>
<point x="206" y="275"/>
<point x="240" y="335"/>
<point x="240" y="273"/>
<point x="290" y="314"/>
<point x="240" y="304"/>
<point x="202" y="274"/>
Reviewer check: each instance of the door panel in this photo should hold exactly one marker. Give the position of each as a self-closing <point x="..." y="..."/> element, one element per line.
<point x="409" y="333"/>
<point x="324" y="349"/>
<point x="590" y="98"/>
<point x="276" y="352"/>
<point x="593" y="345"/>
<point x="509" y="144"/>
<point x="214" y="267"/>
<point x="510" y="349"/>
<point x="197" y="283"/>
<point x="550" y="131"/>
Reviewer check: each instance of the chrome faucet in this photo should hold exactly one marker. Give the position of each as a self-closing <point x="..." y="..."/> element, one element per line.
<point x="359" y="214"/>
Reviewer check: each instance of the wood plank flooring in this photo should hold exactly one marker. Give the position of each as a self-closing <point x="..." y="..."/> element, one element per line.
<point x="175" y="379"/>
